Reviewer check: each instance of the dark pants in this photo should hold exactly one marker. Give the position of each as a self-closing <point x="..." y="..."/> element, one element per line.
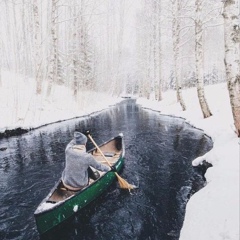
<point x="93" y="174"/>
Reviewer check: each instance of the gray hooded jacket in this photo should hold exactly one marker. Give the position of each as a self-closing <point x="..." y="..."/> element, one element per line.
<point x="77" y="162"/>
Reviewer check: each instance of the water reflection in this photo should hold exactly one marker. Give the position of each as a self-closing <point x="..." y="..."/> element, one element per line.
<point x="159" y="151"/>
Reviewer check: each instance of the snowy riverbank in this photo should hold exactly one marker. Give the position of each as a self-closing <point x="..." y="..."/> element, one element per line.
<point x="213" y="212"/>
<point x="21" y="108"/>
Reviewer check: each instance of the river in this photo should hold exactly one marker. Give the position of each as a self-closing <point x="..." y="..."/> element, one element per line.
<point x="159" y="151"/>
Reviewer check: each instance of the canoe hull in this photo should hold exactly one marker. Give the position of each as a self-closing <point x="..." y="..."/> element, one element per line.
<point x="50" y="218"/>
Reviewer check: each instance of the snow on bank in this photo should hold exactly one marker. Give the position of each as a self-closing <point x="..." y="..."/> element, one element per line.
<point x="21" y="107"/>
<point x="213" y="212"/>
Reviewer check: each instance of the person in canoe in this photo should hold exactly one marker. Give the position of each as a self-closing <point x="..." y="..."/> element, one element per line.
<point x="77" y="171"/>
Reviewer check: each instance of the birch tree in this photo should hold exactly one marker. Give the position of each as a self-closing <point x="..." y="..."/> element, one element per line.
<point x="23" y="39"/>
<point x="26" y="49"/>
<point x="37" y="38"/>
<point x="74" y="52"/>
<point x="53" y="49"/>
<point x="155" y="65"/>
<point x="85" y="50"/>
<point x="232" y="57"/>
<point x="159" y="93"/>
<point x="176" y="50"/>
<point x="109" y="46"/>
<point x="0" y="62"/>
<point x="150" y="46"/>
<point x="15" y="35"/>
<point x="54" y="74"/>
<point x="118" y="86"/>
<point x="199" y="59"/>
<point x="141" y="43"/>
<point x="147" y="82"/>
<point x="1" y="55"/>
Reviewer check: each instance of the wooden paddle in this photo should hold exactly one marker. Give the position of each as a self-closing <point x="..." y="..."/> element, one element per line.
<point x="123" y="183"/>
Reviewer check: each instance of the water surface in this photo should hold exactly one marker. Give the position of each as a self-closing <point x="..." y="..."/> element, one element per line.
<point x="159" y="151"/>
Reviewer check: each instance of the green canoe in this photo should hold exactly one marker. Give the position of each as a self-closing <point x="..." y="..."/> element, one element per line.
<point x="60" y="203"/>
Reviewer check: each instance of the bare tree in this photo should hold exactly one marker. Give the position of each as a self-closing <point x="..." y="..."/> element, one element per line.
<point x="85" y="50"/>
<point x="159" y="93"/>
<point x="232" y="57"/>
<point x="199" y="59"/>
<point x="24" y="39"/>
<point x="53" y="48"/>
<point x="75" y="63"/>
<point x="176" y="45"/>
<point x="155" y="44"/>
<point x="55" y="71"/>
<point x="1" y="63"/>
<point x="147" y="81"/>
<point x="15" y="39"/>
<point x="118" y="85"/>
<point x="143" y="91"/>
<point x="37" y="38"/>
<point x="93" y="39"/>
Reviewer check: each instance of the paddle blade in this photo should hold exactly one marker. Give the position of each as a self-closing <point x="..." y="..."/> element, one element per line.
<point x="124" y="184"/>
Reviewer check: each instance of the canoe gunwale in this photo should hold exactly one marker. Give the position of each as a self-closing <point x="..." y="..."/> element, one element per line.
<point x="60" y="203"/>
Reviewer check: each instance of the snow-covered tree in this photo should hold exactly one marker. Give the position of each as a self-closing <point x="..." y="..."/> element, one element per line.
<point x="232" y="56"/>
<point x="85" y="54"/>
<point x="108" y="45"/>
<point x="176" y="4"/>
<point x="0" y="72"/>
<point x="160" y="80"/>
<point x="117" y="81"/>
<point x="74" y="52"/>
<point x="81" y="50"/>
<point x="199" y="58"/>
<point x="149" y="49"/>
<point x="53" y="48"/>
<point x="37" y="38"/>
<point x="55" y="71"/>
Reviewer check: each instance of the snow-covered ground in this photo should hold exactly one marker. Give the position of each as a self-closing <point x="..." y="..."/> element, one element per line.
<point x="20" y="107"/>
<point x="213" y="212"/>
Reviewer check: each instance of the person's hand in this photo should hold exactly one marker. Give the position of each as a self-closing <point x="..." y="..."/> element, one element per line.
<point x="113" y="168"/>
<point x="87" y="132"/>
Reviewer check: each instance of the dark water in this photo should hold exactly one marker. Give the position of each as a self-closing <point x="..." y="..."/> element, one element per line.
<point x="159" y="151"/>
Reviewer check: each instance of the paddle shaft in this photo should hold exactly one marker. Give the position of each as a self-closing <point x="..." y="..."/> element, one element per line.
<point x="99" y="150"/>
<point x="123" y="183"/>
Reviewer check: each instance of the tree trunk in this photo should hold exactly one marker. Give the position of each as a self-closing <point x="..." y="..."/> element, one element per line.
<point x="37" y="38"/>
<point x="232" y="57"/>
<point x="159" y="52"/>
<point x="199" y="59"/>
<point x="118" y="79"/>
<point x="0" y="64"/>
<point x="155" y="80"/>
<point x="176" y="42"/>
<point x="23" y="39"/>
<point x="15" y="38"/>
<point x="149" y="55"/>
<point x="52" y="75"/>
<point x="108" y="49"/>
<point x="74" y="53"/>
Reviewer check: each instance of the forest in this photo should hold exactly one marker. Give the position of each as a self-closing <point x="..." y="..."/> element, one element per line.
<point x="120" y="48"/>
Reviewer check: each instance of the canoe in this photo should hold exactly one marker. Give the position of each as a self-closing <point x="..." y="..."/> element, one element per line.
<point x="61" y="203"/>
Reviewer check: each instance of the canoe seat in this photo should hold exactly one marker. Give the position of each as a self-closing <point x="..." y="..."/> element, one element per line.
<point x="111" y="157"/>
<point x="60" y="194"/>
<point x="48" y="201"/>
<point x="106" y="154"/>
